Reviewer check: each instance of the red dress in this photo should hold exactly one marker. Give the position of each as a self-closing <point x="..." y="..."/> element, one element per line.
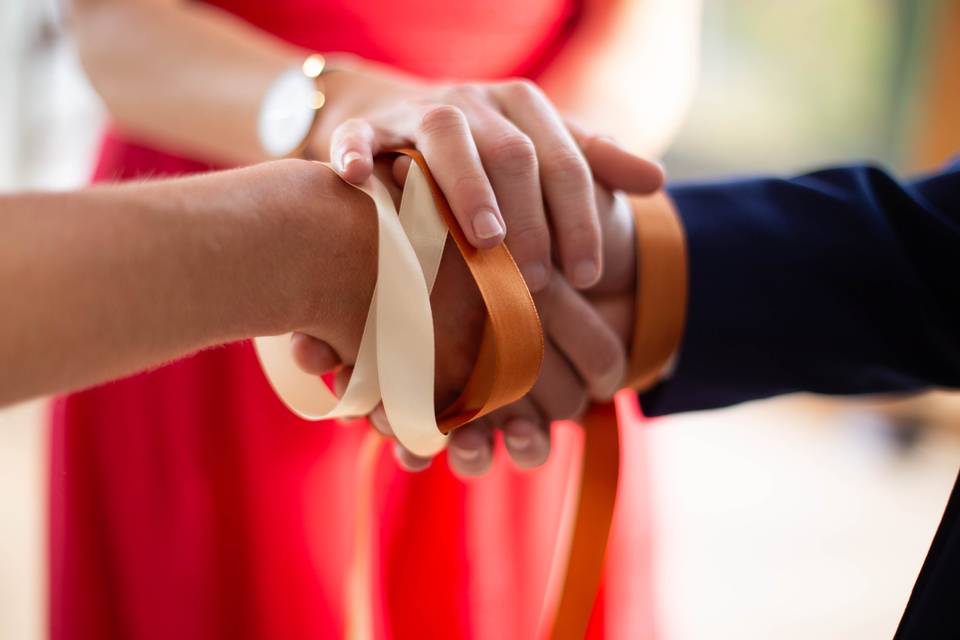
<point x="187" y="503"/>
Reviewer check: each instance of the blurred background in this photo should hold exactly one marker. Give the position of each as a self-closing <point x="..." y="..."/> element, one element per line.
<point x="793" y="518"/>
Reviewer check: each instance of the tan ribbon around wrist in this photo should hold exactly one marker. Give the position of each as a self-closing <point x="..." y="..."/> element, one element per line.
<point x="661" y="298"/>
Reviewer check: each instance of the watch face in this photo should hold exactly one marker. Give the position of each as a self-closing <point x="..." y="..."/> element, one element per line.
<point x="286" y="114"/>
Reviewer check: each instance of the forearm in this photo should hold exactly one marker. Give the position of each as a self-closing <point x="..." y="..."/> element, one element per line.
<point x="108" y="281"/>
<point x="184" y="75"/>
<point x="837" y="282"/>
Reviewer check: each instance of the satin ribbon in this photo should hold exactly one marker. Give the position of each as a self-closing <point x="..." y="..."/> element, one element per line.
<point x="395" y="360"/>
<point x="396" y="363"/>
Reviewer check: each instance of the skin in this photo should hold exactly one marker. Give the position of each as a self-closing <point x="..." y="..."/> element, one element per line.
<point x="587" y="337"/>
<point x="110" y="280"/>
<point x="149" y="272"/>
<point x="190" y="77"/>
<point x="509" y="166"/>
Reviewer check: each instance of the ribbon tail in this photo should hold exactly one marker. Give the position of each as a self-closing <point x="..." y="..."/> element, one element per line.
<point x="594" y="516"/>
<point x="359" y="596"/>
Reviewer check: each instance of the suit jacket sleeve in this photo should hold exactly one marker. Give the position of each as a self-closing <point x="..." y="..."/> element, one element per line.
<point x="842" y="281"/>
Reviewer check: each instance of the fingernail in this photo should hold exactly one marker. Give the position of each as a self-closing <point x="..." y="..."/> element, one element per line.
<point x="519" y="435"/>
<point x="585" y="273"/>
<point x="409" y="462"/>
<point x="349" y="158"/>
<point x="486" y="225"/>
<point x="518" y="442"/>
<point x="466" y="454"/>
<point x="535" y="275"/>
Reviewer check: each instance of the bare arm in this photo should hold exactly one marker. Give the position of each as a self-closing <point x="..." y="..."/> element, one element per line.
<point x="187" y="76"/>
<point x="104" y="282"/>
<point x="191" y="77"/>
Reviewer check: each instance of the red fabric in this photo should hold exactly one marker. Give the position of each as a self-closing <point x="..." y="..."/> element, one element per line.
<point x="188" y="503"/>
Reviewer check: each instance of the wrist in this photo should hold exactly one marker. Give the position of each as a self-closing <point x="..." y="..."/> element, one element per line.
<point x="356" y="88"/>
<point x="275" y="248"/>
<point x="325" y="243"/>
<point x="322" y="238"/>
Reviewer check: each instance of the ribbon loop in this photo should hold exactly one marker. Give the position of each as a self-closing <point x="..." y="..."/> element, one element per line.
<point x="395" y="363"/>
<point x="396" y="356"/>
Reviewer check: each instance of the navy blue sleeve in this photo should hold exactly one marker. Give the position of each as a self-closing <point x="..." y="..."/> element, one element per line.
<point x="842" y="281"/>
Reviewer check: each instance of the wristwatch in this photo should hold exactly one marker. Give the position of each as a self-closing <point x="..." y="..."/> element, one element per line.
<point x="291" y="107"/>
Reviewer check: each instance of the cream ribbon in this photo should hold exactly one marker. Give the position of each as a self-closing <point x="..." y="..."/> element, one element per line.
<point x="395" y="362"/>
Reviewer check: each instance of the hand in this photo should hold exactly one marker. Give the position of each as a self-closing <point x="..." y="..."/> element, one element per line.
<point x="591" y="330"/>
<point x="585" y="353"/>
<point x="499" y="151"/>
<point x="458" y="314"/>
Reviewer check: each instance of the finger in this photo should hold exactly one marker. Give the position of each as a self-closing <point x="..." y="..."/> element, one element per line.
<point x="619" y="244"/>
<point x="470" y="449"/>
<point x="409" y="461"/>
<point x="400" y="168"/>
<point x="341" y="380"/>
<point x="352" y="149"/>
<point x="558" y="392"/>
<point x="566" y="179"/>
<point x="587" y="343"/>
<point x="444" y="138"/>
<point x="617" y="312"/>
<point x="615" y="167"/>
<point x="510" y="160"/>
<point x="313" y="356"/>
<point x="526" y="434"/>
<point x="378" y="419"/>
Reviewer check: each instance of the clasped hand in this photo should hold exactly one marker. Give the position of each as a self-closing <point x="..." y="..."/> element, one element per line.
<point x="510" y="169"/>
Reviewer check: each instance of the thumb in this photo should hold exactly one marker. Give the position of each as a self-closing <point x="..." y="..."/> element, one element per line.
<point x="616" y="168"/>
<point x="352" y="150"/>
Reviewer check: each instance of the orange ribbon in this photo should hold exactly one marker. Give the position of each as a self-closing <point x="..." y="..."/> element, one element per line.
<point x="660" y="310"/>
<point x="509" y="363"/>
<point x="507" y="366"/>
<point x="511" y="350"/>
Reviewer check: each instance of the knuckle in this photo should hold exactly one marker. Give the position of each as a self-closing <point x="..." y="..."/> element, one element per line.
<point x="420" y="102"/>
<point x="569" y="166"/>
<point x="521" y="87"/>
<point x="442" y="119"/>
<point x="465" y="92"/>
<point x="354" y="124"/>
<point x="580" y="233"/>
<point x="527" y="237"/>
<point x="570" y="404"/>
<point x="515" y="153"/>
<point x="354" y="128"/>
<point x="470" y="188"/>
